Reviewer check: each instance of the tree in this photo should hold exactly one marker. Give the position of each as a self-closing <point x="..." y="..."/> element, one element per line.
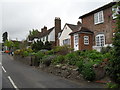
<point x="9" y="44"/>
<point x="48" y="45"/>
<point x="16" y="45"/>
<point x="33" y="34"/>
<point x="5" y="36"/>
<point x="36" y="46"/>
<point x="114" y="67"/>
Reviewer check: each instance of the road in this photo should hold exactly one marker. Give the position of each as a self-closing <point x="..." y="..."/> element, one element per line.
<point x="18" y="75"/>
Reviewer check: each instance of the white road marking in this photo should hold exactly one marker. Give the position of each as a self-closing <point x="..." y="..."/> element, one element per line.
<point x="3" y="69"/>
<point x="12" y="83"/>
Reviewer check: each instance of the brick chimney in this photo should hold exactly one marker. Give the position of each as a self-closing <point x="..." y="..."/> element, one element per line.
<point x="79" y="23"/>
<point x="57" y="28"/>
<point x="44" y="29"/>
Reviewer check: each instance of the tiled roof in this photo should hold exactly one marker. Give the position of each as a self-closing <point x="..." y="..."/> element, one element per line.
<point x="73" y="27"/>
<point x="82" y="30"/>
<point x="42" y="34"/>
<point x="99" y="9"/>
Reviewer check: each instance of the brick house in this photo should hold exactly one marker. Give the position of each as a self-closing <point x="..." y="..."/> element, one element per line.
<point x="81" y="39"/>
<point x="51" y="34"/>
<point x="102" y="22"/>
<point x="77" y="36"/>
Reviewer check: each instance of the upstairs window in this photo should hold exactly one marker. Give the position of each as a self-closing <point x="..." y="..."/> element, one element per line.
<point x="98" y="17"/>
<point x="86" y="40"/>
<point x="115" y="11"/>
<point x="100" y="40"/>
<point x="66" y="42"/>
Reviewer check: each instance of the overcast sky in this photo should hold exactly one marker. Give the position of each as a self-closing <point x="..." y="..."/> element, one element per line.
<point x="17" y="17"/>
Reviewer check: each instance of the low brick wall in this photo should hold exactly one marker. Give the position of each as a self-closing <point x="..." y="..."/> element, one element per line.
<point x="25" y="60"/>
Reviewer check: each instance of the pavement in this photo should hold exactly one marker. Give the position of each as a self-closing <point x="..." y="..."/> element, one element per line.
<point x="18" y="75"/>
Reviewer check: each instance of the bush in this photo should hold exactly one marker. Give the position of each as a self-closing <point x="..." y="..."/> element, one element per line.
<point x="25" y="53"/>
<point x="88" y="72"/>
<point x="72" y="58"/>
<point x="51" y="52"/>
<point x="112" y="85"/>
<point x="39" y="55"/>
<point x="47" y="59"/>
<point x="62" y="50"/>
<point x="59" y="59"/>
<point x="105" y="49"/>
<point x="80" y="65"/>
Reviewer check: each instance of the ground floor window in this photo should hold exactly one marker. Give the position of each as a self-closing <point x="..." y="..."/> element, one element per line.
<point x="86" y="40"/>
<point x="66" y="42"/>
<point x="100" y="40"/>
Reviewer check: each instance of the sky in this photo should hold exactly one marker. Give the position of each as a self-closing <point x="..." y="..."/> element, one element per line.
<point x="17" y="17"/>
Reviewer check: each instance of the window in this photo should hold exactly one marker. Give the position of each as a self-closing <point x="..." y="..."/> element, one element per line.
<point x="100" y="40"/>
<point x="66" y="42"/>
<point x="86" y="40"/>
<point x="115" y="11"/>
<point x="47" y="38"/>
<point x="98" y="17"/>
<point x="76" y="39"/>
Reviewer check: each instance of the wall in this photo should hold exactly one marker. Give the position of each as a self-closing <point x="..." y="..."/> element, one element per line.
<point x="65" y="35"/>
<point x="82" y="46"/>
<point x="51" y="36"/>
<point x="106" y="27"/>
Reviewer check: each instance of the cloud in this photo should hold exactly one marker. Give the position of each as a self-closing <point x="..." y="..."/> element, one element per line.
<point x="20" y="16"/>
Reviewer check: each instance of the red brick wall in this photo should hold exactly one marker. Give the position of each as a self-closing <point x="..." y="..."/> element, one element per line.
<point x="82" y="46"/>
<point x="72" y="41"/>
<point x="106" y="27"/>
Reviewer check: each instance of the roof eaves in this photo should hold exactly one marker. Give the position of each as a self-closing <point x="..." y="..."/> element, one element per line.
<point x="96" y="10"/>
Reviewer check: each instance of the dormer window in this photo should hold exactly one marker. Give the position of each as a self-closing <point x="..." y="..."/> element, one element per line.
<point x="98" y="17"/>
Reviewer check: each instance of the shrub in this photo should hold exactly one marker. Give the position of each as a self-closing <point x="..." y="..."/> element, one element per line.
<point x="39" y="55"/>
<point x="25" y="53"/>
<point x="72" y="58"/>
<point x="51" y="52"/>
<point x="59" y="59"/>
<point x="17" y="52"/>
<point x="105" y="49"/>
<point x="112" y="85"/>
<point x="62" y="50"/>
<point x="88" y="72"/>
<point x="47" y="59"/>
<point x="80" y="65"/>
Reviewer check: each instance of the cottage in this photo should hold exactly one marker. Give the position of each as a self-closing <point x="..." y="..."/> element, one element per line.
<point x="51" y="34"/>
<point x="64" y="38"/>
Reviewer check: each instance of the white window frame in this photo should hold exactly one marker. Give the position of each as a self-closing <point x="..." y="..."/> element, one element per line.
<point x="76" y="39"/>
<point x="66" y="40"/>
<point x="98" y="17"/>
<point x="100" y="42"/>
<point x="115" y="12"/>
<point x="86" y="40"/>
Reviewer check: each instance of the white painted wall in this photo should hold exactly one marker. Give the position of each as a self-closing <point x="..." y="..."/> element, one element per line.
<point x="65" y="35"/>
<point x="51" y="36"/>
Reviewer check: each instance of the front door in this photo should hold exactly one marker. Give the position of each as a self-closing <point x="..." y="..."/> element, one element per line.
<point x="76" y="46"/>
